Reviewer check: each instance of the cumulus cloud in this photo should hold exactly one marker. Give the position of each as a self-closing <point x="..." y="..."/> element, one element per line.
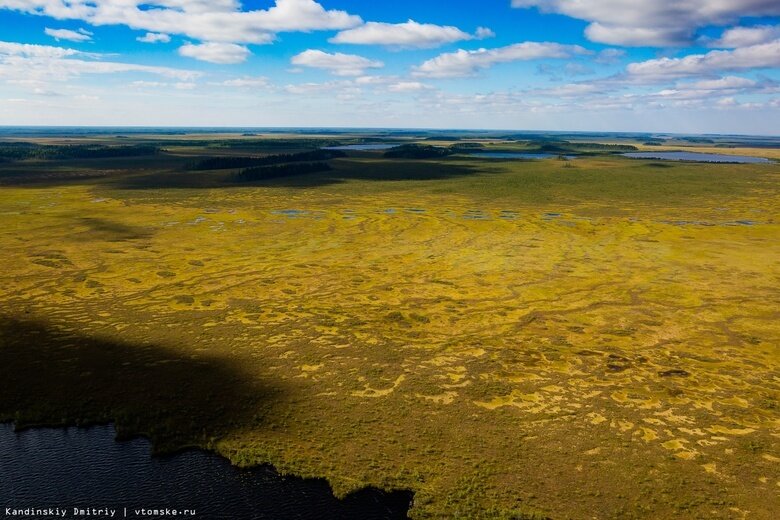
<point x="409" y="34"/>
<point x="215" y="52"/>
<point x="745" y="36"/>
<point x="467" y="63"/>
<point x="205" y="20"/>
<point x="655" y="23"/>
<point x="766" y="55"/>
<point x="82" y="35"/>
<point x="337" y="63"/>
<point x="151" y="37"/>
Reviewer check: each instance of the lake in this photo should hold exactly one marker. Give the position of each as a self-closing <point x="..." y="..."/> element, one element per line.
<point x="697" y="156"/>
<point x="86" y="468"/>
<point x="519" y="155"/>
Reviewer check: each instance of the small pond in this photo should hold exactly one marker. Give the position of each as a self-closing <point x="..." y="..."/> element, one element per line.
<point x="697" y="157"/>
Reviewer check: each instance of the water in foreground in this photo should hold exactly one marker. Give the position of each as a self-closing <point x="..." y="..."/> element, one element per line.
<point x="79" y="468"/>
<point x="697" y="157"/>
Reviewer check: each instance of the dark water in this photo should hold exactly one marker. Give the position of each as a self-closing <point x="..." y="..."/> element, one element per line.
<point x="86" y="468"/>
<point x="362" y="147"/>
<point x="519" y="155"/>
<point x="696" y="156"/>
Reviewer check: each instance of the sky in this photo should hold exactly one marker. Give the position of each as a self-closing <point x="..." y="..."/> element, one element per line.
<point x="685" y="66"/>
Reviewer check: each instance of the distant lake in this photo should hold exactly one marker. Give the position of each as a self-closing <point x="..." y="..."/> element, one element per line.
<point x="86" y="467"/>
<point x="696" y="156"/>
<point x="519" y="155"/>
<point x="363" y="147"/>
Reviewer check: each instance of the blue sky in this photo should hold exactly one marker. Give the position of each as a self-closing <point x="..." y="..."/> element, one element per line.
<point x="690" y="66"/>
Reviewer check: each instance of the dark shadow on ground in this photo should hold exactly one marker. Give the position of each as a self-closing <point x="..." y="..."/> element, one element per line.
<point x="55" y="377"/>
<point x="45" y="173"/>
<point x="344" y="170"/>
<point x="112" y="231"/>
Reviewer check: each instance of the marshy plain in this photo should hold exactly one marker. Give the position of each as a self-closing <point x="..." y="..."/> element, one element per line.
<point x="587" y="337"/>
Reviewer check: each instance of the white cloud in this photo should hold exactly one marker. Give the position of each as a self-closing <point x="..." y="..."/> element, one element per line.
<point x="352" y="88"/>
<point x="610" y="56"/>
<point x="727" y="102"/>
<point x="467" y="63"/>
<point x="745" y="36"/>
<point x="707" y="92"/>
<point x="205" y="20"/>
<point x="408" y="86"/>
<point x="483" y="33"/>
<point x="654" y="23"/>
<point x="258" y="82"/>
<point x="337" y="63"/>
<point x="331" y="87"/>
<point x="180" y="85"/>
<point x="40" y="63"/>
<point x="215" y="52"/>
<point x="35" y="51"/>
<point x="375" y="80"/>
<point x="766" y="55"/>
<point x="728" y="82"/>
<point x="149" y="84"/>
<point x="409" y="34"/>
<point x="637" y="36"/>
<point x="82" y="35"/>
<point x="151" y="37"/>
<point x="570" y="90"/>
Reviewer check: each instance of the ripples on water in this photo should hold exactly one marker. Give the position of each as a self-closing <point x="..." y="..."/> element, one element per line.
<point x="77" y="467"/>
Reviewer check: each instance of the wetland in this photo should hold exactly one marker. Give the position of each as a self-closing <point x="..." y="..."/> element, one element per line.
<point x="503" y="339"/>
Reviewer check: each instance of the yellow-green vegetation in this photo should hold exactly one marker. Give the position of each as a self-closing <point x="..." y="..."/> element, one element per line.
<point x="514" y="339"/>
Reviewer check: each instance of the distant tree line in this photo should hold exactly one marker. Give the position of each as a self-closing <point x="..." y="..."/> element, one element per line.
<point x="699" y="140"/>
<point x="467" y="146"/>
<point x="20" y="151"/>
<point x="227" y="162"/>
<point x="262" y="173"/>
<point x="264" y="144"/>
<point x="418" y="151"/>
<point x="443" y="138"/>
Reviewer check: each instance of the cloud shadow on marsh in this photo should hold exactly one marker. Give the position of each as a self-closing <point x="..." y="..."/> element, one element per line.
<point x="56" y="377"/>
<point x="53" y="377"/>
<point x="343" y="171"/>
<point x="112" y="231"/>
